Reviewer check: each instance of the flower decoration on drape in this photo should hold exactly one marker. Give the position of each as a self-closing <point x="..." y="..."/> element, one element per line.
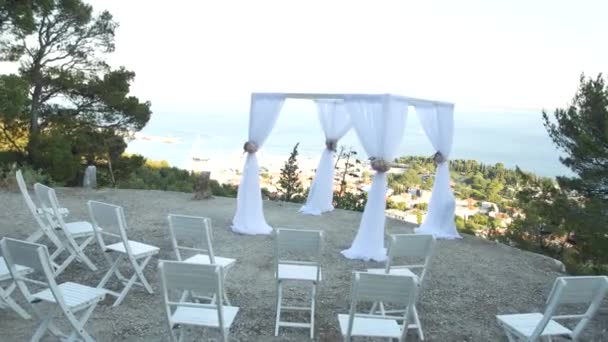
<point x="438" y="124"/>
<point x="335" y="123"/>
<point x="249" y="216"/>
<point x="379" y="122"/>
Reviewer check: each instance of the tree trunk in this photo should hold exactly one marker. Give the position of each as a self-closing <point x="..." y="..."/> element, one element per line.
<point x="34" y="126"/>
<point x="202" y="188"/>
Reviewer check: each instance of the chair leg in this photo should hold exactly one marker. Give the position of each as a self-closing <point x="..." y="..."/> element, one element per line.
<point x="138" y="274"/>
<point x="279" y="299"/>
<point x="226" y="300"/>
<point x="373" y="310"/>
<point x="510" y="336"/>
<point x="37" y="235"/>
<point x="125" y="290"/>
<point x="139" y="271"/>
<point x="46" y="323"/>
<point x="78" y="325"/>
<point x="113" y="270"/>
<point x="417" y="322"/>
<point x="83" y="257"/>
<point x="5" y="297"/>
<point x="312" y="311"/>
<point x="65" y="264"/>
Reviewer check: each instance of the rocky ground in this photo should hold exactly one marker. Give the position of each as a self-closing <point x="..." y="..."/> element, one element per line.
<point x="468" y="283"/>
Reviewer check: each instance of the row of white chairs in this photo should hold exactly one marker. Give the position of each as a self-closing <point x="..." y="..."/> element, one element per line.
<point x="297" y="258"/>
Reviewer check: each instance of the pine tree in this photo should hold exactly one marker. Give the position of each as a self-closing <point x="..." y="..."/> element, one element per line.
<point x="289" y="183"/>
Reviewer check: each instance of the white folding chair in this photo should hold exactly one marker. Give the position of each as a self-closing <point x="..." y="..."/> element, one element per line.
<point x="297" y="257"/>
<point x="45" y="227"/>
<point x="192" y="235"/>
<point x="36" y="210"/>
<point x="5" y="293"/>
<point x="78" y="235"/>
<point x="588" y="291"/>
<point x="68" y="298"/>
<point x="417" y="249"/>
<point x="385" y="288"/>
<point x="180" y="277"/>
<point x="109" y="223"/>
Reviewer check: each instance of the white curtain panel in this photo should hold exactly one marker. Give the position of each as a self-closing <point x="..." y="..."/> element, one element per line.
<point x="438" y="124"/>
<point x="335" y="123"/>
<point x="249" y="216"/>
<point x="379" y="122"/>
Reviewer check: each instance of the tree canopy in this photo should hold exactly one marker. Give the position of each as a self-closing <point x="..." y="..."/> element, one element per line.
<point x="70" y="90"/>
<point x="581" y="132"/>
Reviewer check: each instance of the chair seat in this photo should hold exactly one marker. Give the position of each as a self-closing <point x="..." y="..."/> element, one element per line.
<point x="525" y="324"/>
<point x="203" y="316"/>
<point x="4" y="272"/>
<point x="74" y="295"/>
<point x="137" y="248"/>
<point x="370" y="327"/>
<point x="204" y="259"/>
<point x="62" y="211"/>
<point x="298" y="272"/>
<point x="79" y="228"/>
<point x="395" y="271"/>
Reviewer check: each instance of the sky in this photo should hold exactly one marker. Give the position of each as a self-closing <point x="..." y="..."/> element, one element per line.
<point x="197" y="56"/>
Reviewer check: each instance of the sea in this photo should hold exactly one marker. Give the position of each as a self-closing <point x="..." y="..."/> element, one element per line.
<point x="511" y="137"/>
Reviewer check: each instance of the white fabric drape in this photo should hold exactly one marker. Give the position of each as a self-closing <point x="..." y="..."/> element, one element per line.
<point x="249" y="216"/>
<point x="335" y="123"/>
<point x="438" y="124"/>
<point x="379" y="122"/>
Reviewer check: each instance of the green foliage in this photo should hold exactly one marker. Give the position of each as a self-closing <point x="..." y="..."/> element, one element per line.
<point x="350" y="166"/>
<point x="396" y="205"/>
<point x="400" y="182"/>
<point x="157" y="164"/>
<point x="463" y="227"/>
<point x="581" y="132"/>
<point x="31" y="176"/>
<point x="61" y="46"/>
<point x="570" y="221"/>
<point x="55" y="153"/>
<point x="422" y="206"/>
<point x="13" y="103"/>
<point x="418" y="216"/>
<point x="223" y="190"/>
<point x="289" y="183"/>
<point x="350" y="201"/>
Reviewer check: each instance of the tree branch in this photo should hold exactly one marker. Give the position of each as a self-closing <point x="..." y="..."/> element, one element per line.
<point x="8" y="138"/>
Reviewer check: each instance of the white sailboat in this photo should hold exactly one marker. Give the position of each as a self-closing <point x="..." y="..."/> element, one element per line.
<point x="196" y="160"/>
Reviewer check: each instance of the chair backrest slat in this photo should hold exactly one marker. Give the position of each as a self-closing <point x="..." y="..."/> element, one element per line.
<point x="109" y="221"/>
<point x="191" y="232"/>
<point x="580" y="290"/>
<point x="305" y="243"/>
<point x="35" y="256"/>
<point x="190" y="277"/>
<point x="411" y="245"/>
<point x="418" y="247"/>
<point x="25" y="193"/>
<point x="197" y="278"/>
<point x="22" y="253"/>
<point x="583" y="290"/>
<point x="384" y="288"/>
<point x="45" y="215"/>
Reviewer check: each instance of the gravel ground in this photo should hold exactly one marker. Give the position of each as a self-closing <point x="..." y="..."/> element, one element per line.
<point x="468" y="283"/>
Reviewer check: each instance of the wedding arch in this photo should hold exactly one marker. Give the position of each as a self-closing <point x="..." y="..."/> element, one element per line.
<point x="379" y="122"/>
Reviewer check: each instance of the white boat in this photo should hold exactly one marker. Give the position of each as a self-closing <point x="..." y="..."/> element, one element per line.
<point x="196" y="161"/>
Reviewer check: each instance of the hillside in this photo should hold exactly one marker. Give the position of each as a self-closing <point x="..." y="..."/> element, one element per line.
<point x="469" y="281"/>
